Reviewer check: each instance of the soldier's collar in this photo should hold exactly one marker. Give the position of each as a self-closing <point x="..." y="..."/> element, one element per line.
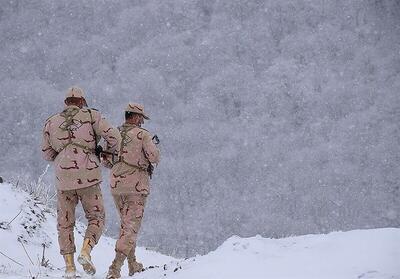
<point x="71" y="106"/>
<point x="129" y="125"/>
<point x="70" y="111"/>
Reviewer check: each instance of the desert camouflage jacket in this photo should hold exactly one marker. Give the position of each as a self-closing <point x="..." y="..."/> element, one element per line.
<point x="69" y="141"/>
<point x="137" y="151"/>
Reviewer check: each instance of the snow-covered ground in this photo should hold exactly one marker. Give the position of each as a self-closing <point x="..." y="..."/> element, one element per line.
<point x="26" y="225"/>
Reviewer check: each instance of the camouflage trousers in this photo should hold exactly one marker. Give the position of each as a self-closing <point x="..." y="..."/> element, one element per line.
<point x="130" y="208"/>
<point x="92" y="203"/>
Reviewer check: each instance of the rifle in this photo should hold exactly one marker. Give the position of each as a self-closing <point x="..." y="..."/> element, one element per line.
<point x="150" y="168"/>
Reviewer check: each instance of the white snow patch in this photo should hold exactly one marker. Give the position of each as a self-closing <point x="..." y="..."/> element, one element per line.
<point x="355" y="254"/>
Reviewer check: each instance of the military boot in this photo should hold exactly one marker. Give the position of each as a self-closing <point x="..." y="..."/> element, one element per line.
<point x="70" y="269"/>
<point x="134" y="266"/>
<point x="84" y="258"/>
<point x="114" y="271"/>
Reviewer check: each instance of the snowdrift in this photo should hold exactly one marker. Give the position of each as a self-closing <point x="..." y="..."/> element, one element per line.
<point x="29" y="248"/>
<point x="29" y="245"/>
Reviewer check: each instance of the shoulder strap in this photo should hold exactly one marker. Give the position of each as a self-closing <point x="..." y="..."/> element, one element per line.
<point x="123" y="131"/>
<point x="68" y="116"/>
<point x="91" y="123"/>
<point x="49" y="118"/>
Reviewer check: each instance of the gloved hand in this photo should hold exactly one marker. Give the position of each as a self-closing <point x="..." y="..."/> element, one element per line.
<point x="98" y="150"/>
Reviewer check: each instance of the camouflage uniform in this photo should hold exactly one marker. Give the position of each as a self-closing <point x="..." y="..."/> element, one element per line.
<point x="92" y="203"/>
<point x="130" y="182"/>
<point x="69" y="141"/>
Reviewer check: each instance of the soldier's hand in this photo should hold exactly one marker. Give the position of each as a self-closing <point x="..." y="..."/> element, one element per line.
<point x="98" y="149"/>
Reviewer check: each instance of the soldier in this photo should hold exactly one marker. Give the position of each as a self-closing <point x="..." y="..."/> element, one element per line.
<point x="70" y="139"/>
<point x="130" y="185"/>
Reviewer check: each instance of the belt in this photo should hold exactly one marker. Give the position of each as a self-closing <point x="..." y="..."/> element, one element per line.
<point x="78" y="145"/>
<point x="133" y="166"/>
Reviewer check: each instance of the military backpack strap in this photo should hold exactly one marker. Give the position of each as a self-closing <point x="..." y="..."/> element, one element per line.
<point x="68" y="116"/>
<point x="150" y="167"/>
<point x="123" y="131"/>
<point x="91" y="123"/>
<point x="124" y="141"/>
<point x="97" y="148"/>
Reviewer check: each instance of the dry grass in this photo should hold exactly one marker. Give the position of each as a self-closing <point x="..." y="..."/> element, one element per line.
<point x="38" y="190"/>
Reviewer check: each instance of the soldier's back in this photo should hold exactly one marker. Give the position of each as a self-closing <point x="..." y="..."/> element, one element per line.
<point x="72" y="136"/>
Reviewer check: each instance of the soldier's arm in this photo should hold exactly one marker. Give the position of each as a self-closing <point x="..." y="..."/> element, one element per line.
<point x="49" y="154"/>
<point x="110" y="134"/>
<point x="150" y="149"/>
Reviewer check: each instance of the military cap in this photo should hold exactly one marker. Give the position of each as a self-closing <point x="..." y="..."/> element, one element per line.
<point x="75" y="92"/>
<point x="136" y="108"/>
